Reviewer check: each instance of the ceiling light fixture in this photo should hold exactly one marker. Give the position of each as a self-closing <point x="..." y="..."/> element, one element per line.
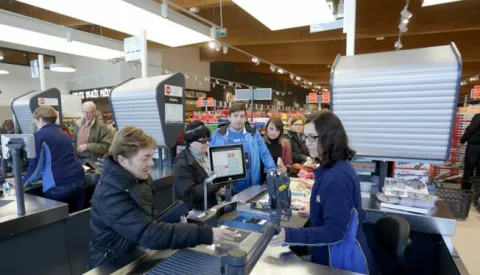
<point x="280" y="71"/>
<point x="211" y="45"/>
<point x="398" y="45"/>
<point x="427" y="3"/>
<point x="273" y="68"/>
<point x="402" y="27"/>
<point x="292" y="76"/>
<point x="406" y="14"/>
<point x="18" y="29"/>
<point x="218" y="46"/>
<point x="286" y="15"/>
<point x="4" y="72"/>
<point x="225" y="49"/>
<point x="63" y="68"/>
<point x="298" y="78"/>
<point x="162" y="24"/>
<point x="255" y="60"/>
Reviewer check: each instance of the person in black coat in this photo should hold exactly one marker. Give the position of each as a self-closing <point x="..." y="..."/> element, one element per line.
<point x="297" y="140"/>
<point x="122" y="214"/>
<point x="472" y="154"/>
<point x="192" y="168"/>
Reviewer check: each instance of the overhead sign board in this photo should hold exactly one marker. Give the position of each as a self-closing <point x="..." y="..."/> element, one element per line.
<point x="132" y="48"/>
<point x="103" y="92"/>
<point x="258" y="94"/>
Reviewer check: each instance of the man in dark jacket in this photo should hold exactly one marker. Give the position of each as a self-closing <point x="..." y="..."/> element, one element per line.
<point x="91" y="137"/>
<point x="191" y="168"/>
<point x="472" y="155"/>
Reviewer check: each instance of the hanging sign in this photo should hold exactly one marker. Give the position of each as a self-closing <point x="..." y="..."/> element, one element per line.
<point x="174" y="112"/>
<point x="326" y="97"/>
<point x="475" y="94"/>
<point x="35" y="68"/>
<point x="210" y="102"/>
<point x="132" y="48"/>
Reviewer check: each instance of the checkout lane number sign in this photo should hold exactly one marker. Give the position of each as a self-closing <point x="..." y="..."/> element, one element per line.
<point x="174" y="104"/>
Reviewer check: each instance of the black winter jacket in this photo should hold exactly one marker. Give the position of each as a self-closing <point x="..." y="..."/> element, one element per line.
<point x="189" y="177"/>
<point x="299" y="149"/>
<point x="122" y="217"/>
<point x="472" y="133"/>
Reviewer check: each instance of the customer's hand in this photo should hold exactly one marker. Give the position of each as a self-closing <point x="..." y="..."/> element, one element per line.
<point x="279" y="239"/>
<point x="82" y="148"/>
<point x="281" y="166"/>
<point x="223" y="234"/>
<point x="10" y="180"/>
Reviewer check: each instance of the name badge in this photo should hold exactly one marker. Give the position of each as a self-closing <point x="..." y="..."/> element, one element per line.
<point x="317" y="198"/>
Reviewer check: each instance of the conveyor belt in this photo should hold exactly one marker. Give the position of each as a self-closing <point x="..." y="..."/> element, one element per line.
<point x="188" y="262"/>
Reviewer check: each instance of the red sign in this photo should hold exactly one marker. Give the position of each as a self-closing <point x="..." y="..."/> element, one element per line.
<point x="210" y="101"/>
<point x="42" y="101"/>
<point x="168" y="90"/>
<point x="200" y="102"/>
<point x="312" y="98"/>
<point x="475" y="94"/>
<point x="326" y="97"/>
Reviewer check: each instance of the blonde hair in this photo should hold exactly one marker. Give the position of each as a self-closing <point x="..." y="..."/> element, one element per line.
<point x="296" y="118"/>
<point x="128" y="141"/>
<point x="47" y="113"/>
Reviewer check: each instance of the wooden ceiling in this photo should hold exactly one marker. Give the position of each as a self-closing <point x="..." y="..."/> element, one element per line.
<point x="309" y="55"/>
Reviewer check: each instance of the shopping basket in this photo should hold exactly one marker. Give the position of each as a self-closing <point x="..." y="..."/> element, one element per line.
<point x="458" y="200"/>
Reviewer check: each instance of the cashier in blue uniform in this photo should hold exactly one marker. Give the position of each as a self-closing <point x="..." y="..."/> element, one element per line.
<point x="192" y="168"/>
<point x="238" y="131"/>
<point x="336" y="235"/>
<point x="63" y="178"/>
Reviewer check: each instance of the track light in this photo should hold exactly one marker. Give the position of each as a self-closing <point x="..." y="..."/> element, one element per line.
<point x="402" y="27"/>
<point x="211" y="45"/>
<point x="225" y="49"/>
<point x="186" y="76"/>
<point x="405" y="21"/>
<point x="280" y="70"/>
<point x="255" y="60"/>
<point x="230" y="84"/>
<point x="224" y="87"/>
<point x="406" y="14"/>
<point x="292" y="76"/>
<point x="218" y="46"/>
<point x="398" y="45"/>
<point x="216" y="81"/>
<point x="273" y="68"/>
<point x="310" y="83"/>
<point x="213" y="85"/>
<point x="298" y="78"/>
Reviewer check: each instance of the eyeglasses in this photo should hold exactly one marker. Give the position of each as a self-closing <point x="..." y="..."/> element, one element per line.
<point x="312" y="138"/>
<point x="203" y="140"/>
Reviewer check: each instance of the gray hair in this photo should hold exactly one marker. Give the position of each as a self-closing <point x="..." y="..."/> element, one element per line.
<point x="90" y="104"/>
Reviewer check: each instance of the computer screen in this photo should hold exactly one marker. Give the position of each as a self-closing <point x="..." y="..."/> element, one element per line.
<point x="228" y="163"/>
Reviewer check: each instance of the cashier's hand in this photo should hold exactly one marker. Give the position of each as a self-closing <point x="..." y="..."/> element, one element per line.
<point x="82" y="148"/>
<point x="279" y="239"/>
<point x="222" y="234"/>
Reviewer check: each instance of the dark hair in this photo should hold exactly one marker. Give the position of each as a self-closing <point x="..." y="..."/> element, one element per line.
<point x="332" y="138"/>
<point x="195" y="131"/>
<point x="278" y="123"/>
<point x="237" y="107"/>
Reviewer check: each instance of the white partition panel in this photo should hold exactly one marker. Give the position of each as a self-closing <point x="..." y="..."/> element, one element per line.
<point x="400" y="104"/>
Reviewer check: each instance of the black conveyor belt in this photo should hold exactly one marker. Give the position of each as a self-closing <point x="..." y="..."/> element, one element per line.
<point x="188" y="262"/>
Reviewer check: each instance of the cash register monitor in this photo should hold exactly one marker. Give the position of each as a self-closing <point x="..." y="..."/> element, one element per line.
<point x="228" y="163"/>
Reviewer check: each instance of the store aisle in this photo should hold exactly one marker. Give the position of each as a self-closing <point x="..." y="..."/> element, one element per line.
<point x="467" y="241"/>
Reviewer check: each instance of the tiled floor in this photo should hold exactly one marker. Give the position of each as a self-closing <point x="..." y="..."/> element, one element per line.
<point x="467" y="241"/>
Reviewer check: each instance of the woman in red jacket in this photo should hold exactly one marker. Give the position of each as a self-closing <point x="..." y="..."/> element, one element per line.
<point x="278" y="146"/>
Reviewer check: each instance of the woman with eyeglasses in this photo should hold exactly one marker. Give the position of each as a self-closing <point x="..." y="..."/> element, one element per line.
<point x="192" y="168"/>
<point x="336" y="235"/>
<point x="297" y="138"/>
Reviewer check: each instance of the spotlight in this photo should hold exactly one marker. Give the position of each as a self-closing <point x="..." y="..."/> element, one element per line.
<point x="292" y="76"/>
<point x="298" y="78"/>
<point x="473" y="79"/>
<point x="224" y="87"/>
<point x="186" y="76"/>
<point x="273" y="68"/>
<point x="211" y="45"/>
<point x="255" y="60"/>
<point x="406" y="14"/>
<point x="310" y="83"/>
<point x="398" y="44"/>
<point x="225" y="49"/>
<point x="402" y="27"/>
<point x="230" y="84"/>
<point x="213" y="85"/>
<point x="280" y="70"/>
<point x="405" y="21"/>
<point x="218" y="46"/>
<point x="217" y="82"/>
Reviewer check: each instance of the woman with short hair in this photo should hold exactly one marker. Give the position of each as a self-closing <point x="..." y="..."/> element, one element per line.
<point x="192" y="168"/>
<point x="63" y="178"/>
<point x="122" y="214"/>
<point x="335" y="235"/>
